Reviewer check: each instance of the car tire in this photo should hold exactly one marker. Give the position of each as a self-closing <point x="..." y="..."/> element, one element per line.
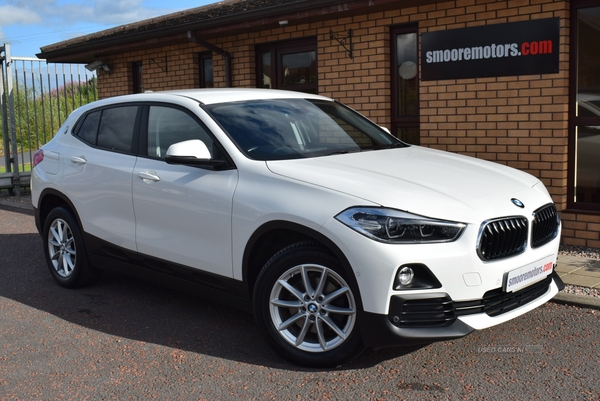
<point x="65" y="251"/>
<point x="312" y="324"/>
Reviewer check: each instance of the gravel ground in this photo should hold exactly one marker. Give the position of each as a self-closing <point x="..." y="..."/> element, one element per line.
<point x="580" y="251"/>
<point x="590" y="253"/>
<point x="583" y="252"/>
<point x="24" y="199"/>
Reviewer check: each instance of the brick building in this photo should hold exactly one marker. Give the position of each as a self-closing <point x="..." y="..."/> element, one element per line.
<point x="380" y="57"/>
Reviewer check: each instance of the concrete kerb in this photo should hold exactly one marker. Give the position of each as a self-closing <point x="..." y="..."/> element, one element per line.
<point x="581" y="301"/>
<point x="16" y="204"/>
<point x="580" y="272"/>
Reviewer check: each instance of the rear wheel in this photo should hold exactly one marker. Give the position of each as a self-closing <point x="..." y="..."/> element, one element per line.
<point x="306" y="308"/>
<point x="65" y="251"/>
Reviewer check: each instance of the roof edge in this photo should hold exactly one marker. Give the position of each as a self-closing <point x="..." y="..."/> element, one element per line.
<point x="175" y="25"/>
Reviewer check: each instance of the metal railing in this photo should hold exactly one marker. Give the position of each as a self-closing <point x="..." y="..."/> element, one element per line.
<point x="35" y="99"/>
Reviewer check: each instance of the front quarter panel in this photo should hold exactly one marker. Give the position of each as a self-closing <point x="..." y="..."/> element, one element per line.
<point x="262" y="197"/>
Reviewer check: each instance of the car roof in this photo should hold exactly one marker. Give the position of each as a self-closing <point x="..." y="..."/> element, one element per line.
<point x="224" y="95"/>
<point x="214" y="95"/>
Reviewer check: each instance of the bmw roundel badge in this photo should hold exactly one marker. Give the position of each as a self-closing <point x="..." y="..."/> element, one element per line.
<point x="518" y="203"/>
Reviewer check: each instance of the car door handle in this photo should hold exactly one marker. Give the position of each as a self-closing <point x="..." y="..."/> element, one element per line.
<point x="148" y="176"/>
<point x="79" y="159"/>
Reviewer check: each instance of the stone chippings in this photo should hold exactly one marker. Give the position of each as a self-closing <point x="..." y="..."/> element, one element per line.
<point x="581" y="252"/>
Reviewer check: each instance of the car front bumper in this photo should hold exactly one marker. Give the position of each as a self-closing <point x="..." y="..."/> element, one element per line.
<point x="422" y="319"/>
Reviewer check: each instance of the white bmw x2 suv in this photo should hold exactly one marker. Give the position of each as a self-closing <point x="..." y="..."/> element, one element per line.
<point x="334" y="233"/>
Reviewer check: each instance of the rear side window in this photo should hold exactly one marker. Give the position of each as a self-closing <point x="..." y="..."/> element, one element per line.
<point x="111" y="128"/>
<point x="89" y="129"/>
<point x="116" y="128"/>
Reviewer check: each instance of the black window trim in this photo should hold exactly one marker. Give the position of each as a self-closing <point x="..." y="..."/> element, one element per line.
<point x="143" y="142"/>
<point x="278" y="49"/>
<point x="136" y="127"/>
<point x="137" y="77"/>
<point x="139" y="146"/>
<point x="201" y="57"/>
<point x="573" y="120"/>
<point x="399" y="122"/>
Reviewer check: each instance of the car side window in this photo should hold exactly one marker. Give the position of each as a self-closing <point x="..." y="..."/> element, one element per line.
<point x="117" y="128"/>
<point x="167" y="125"/>
<point x="89" y="128"/>
<point x="111" y="128"/>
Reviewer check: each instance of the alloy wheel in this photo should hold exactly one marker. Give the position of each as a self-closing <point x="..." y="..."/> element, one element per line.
<point x="312" y="308"/>
<point x="61" y="245"/>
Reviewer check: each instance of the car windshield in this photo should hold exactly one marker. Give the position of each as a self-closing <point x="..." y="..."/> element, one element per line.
<point x="297" y="128"/>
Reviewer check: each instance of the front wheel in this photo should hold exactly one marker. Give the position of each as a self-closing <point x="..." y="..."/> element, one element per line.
<point x="306" y="308"/>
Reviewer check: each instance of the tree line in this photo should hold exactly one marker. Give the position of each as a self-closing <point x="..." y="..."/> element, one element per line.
<point x="38" y="114"/>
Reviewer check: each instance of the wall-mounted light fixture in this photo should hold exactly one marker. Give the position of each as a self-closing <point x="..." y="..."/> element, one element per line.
<point x="283" y="23"/>
<point x="96" y="65"/>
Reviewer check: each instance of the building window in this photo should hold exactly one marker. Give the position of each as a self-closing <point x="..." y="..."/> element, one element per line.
<point x="584" y="122"/>
<point x="206" y="70"/>
<point x="290" y="65"/>
<point x="138" y="83"/>
<point x="405" y="84"/>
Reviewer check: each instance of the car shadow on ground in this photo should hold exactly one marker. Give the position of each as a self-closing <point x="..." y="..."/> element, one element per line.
<point x="134" y="309"/>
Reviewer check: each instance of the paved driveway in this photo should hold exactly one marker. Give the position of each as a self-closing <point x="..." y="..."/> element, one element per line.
<point x="125" y="339"/>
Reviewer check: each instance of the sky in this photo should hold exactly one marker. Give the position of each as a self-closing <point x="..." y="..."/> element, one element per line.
<point x="28" y="25"/>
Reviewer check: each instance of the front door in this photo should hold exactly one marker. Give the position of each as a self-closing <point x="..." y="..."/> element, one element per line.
<point x="183" y="213"/>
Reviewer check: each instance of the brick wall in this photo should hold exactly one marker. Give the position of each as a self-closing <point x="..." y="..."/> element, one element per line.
<point x="581" y="229"/>
<point x="518" y="121"/>
<point x="164" y="68"/>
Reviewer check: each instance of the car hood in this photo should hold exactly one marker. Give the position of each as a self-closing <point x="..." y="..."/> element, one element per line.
<point x="420" y="180"/>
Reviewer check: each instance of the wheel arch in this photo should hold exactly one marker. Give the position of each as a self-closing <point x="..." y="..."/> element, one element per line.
<point x="273" y="236"/>
<point x="50" y="199"/>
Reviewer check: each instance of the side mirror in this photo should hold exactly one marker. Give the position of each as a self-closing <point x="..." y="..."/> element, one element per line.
<point x="193" y="152"/>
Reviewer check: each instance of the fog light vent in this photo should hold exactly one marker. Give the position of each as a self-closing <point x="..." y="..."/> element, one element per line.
<point x="415" y="276"/>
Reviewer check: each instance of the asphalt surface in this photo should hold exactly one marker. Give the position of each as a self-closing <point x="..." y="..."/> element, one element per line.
<point x="124" y="339"/>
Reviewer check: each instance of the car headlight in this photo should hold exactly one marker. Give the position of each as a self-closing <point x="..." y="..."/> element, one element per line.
<point x="395" y="226"/>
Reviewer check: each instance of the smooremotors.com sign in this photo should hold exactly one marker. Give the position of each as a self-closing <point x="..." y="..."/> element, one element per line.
<point x="517" y="48"/>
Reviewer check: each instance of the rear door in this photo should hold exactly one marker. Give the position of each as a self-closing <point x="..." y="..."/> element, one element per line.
<point x="97" y="173"/>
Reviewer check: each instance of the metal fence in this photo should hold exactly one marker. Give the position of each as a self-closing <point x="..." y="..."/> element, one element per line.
<point x="35" y="99"/>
